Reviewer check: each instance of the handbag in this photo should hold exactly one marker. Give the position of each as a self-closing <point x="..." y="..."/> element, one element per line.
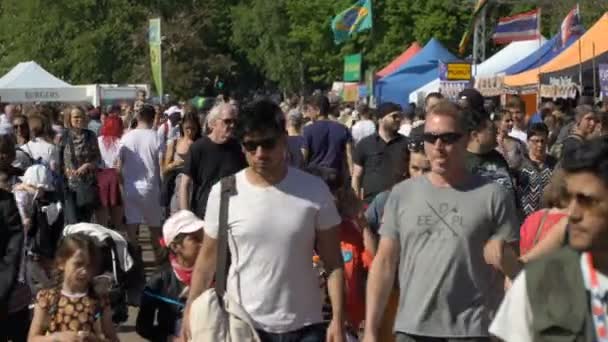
<point x="86" y="193"/>
<point x="214" y="315"/>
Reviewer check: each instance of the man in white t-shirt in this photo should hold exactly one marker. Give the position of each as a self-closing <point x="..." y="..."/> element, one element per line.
<point x="139" y="155"/>
<point x="277" y="217"/>
<point x="517" y="108"/>
<point x="563" y="296"/>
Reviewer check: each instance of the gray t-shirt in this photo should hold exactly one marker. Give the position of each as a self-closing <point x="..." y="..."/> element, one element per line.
<point x="446" y="288"/>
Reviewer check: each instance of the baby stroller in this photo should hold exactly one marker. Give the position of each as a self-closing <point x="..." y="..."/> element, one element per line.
<point x="116" y="263"/>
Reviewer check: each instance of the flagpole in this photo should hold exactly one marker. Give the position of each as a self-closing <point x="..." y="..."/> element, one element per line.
<point x="580" y="66"/>
<point x="538" y="98"/>
<point x="593" y="69"/>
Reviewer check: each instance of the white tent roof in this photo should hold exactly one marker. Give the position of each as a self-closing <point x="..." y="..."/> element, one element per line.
<point x="30" y="75"/>
<point x="29" y="82"/>
<point x="509" y="55"/>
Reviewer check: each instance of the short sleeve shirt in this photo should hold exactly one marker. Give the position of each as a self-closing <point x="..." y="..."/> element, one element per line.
<point x="447" y="289"/>
<point x="206" y="163"/>
<point x="271" y="236"/>
<point x="70" y="313"/>
<point x="326" y="142"/>
<point x="384" y="163"/>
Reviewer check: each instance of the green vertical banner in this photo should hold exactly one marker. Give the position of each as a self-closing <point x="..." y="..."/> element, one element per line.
<point x="156" y="56"/>
<point x="352" y="68"/>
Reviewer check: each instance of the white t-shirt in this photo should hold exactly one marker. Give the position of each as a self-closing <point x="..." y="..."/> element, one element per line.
<point x="272" y="233"/>
<point x="513" y="321"/>
<point x="140" y="152"/>
<point x="38" y="148"/>
<point x="363" y="129"/>
<point x="108" y="153"/>
<point x="519" y="134"/>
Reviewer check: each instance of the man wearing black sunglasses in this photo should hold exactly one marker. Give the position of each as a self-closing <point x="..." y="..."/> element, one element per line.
<point x="210" y="158"/>
<point x="276" y="218"/>
<point x="380" y="160"/>
<point x="446" y="231"/>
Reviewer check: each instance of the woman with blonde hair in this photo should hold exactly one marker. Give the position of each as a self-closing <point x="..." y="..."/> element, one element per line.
<point x="79" y="158"/>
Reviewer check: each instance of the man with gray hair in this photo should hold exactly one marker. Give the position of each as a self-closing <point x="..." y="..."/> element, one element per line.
<point x="211" y="158"/>
<point x="585" y="120"/>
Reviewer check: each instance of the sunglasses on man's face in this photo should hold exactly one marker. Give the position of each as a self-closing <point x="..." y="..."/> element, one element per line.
<point x="229" y="122"/>
<point x="20" y="126"/>
<point x="266" y="144"/>
<point x="448" y="138"/>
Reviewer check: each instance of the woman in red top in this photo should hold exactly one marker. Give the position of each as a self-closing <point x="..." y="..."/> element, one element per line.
<point x="537" y="226"/>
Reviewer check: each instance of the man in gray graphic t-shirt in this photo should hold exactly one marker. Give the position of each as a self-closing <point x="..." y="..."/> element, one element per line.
<point x="446" y="231"/>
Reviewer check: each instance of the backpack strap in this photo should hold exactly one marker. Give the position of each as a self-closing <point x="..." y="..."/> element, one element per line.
<point x="228" y="189"/>
<point x="540" y="227"/>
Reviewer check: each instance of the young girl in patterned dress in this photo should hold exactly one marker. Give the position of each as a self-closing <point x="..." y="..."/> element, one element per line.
<point x="72" y="311"/>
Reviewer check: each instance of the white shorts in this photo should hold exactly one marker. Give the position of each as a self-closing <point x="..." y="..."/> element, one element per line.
<point x="142" y="206"/>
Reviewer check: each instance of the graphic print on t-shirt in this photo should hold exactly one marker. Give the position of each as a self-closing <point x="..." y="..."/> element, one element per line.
<point x="441" y="219"/>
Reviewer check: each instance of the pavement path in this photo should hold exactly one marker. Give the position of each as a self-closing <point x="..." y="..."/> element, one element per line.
<point x="126" y="331"/>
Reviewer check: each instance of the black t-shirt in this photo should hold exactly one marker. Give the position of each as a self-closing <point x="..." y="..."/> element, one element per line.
<point x="207" y="163"/>
<point x="492" y="166"/>
<point x="383" y="163"/>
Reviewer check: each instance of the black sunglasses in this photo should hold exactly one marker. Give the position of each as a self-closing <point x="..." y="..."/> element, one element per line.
<point x="266" y="144"/>
<point x="229" y="121"/>
<point x="446" y="138"/>
<point x="19" y="126"/>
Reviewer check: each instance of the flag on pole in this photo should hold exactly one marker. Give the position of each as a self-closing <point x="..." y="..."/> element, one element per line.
<point x="356" y="18"/>
<point x="571" y="25"/>
<point x="155" y="55"/>
<point x="466" y="37"/>
<point x="523" y="26"/>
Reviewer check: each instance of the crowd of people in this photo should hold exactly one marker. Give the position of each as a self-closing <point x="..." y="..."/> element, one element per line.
<point x="452" y="221"/>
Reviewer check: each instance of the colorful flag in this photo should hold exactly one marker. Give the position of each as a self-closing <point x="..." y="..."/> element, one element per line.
<point x="356" y="18"/>
<point x="156" y="55"/>
<point x="466" y="37"/>
<point x="523" y="26"/>
<point x="571" y="25"/>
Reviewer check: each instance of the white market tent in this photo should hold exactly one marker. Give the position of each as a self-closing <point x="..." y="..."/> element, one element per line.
<point x="29" y="82"/>
<point x="509" y="55"/>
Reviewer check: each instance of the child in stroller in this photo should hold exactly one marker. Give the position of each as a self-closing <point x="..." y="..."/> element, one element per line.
<point x="117" y="266"/>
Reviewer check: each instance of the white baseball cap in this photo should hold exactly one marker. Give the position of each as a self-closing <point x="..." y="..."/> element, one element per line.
<point x="182" y="222"/>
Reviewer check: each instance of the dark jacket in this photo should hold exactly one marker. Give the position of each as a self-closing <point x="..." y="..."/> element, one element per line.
<point x="162" y="284"/>
<point x="11" y="244"/>
<point x="559" y="300"/>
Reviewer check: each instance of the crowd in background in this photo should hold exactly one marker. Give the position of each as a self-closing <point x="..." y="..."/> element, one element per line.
<point x="347" y="222"/>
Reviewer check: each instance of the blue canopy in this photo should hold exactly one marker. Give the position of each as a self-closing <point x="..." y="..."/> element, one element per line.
<point x="418" y="71"/>
<point x="547" y="52"/>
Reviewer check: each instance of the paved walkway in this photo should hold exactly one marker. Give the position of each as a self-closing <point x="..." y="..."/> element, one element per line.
<point x="126" y="331"/>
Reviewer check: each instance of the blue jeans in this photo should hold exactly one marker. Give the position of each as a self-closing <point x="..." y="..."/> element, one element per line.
<point x="312" y="333"/>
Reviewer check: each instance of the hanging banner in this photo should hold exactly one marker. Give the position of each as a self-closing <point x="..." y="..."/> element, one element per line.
<point x="350" y="93"/>
<point x="156" y="56"/>
<point x="459" y="71"/>
<point x="603" y="76"/>
<point x="352" y="68"/>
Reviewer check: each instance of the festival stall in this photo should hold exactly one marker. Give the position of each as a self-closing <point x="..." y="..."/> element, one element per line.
<point x="561" y="77"/>
<point x="400" y="60"/>
<point x="29" y="82"/>
<point x="485" y="74"/>
<point x="421" y="69"/>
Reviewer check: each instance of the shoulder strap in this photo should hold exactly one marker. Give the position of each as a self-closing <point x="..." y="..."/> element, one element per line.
<point x="228" y="189"/>
<point x="540" y="227"/>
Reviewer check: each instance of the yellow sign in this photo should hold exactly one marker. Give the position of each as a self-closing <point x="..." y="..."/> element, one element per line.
<point x="458" y="72"/>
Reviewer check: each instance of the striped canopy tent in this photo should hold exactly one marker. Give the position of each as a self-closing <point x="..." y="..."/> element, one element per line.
<point x="401" y="60"/>
<point x="563" y="70"/>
